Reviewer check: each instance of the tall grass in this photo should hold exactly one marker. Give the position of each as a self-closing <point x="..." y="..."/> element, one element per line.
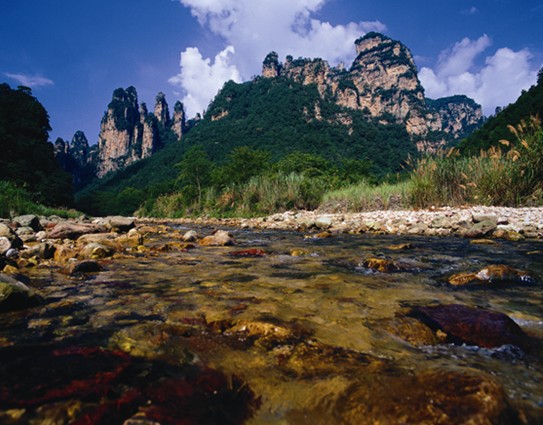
<point x="510" y="175"/>
<point x="364" y="196"/>
<point x="262" y="194"/>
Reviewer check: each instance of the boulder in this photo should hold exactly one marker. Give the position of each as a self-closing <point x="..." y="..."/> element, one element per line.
<point x="471" y="326"/>
<point x="324" y="222"/>
<point x="29" y="220"/>
<point x="96" y="250"/>
<point x="73" y="230"/>
<point x="219" y="238"/>
<point x="119" y="224"/>
<point x="481" y="229"/>
<point x="9" y="233"/>
<point x="15" y="295"/>
<point x="191" y="236"/>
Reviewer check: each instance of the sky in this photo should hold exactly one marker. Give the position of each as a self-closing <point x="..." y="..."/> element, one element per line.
<point x="74" y="53"/>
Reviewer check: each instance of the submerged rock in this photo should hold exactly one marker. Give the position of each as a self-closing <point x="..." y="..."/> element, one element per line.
<point x="86" y="266"/>
<point x="15" y="295"/>
<point x="251" y="253"/>
<point x="472" y="326"/>
<point x="429" y="397"/>
<point x="493" y="274"/>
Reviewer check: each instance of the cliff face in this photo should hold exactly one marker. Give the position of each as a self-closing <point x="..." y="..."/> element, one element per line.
<point x="383" y="82"/>
<point x="128" y="133"/>
<point x="77" y="158"/>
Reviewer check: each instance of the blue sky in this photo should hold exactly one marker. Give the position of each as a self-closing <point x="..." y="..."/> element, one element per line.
<point x="75" y="53"/>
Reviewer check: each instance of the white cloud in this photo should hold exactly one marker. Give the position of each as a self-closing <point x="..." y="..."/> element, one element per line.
<point x="30" y="80"/>
<point x="498" y="82"/>
<point x="202" y="79"/>
<point x="254" y="28"/>
<point x="471" y="11"/>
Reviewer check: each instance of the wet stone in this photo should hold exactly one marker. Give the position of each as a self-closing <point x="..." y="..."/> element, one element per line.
<point x="219" y="238"/>
<point x="493" y="274"/>
<point x="248" y="253"/>
<point x="472" y="326"/>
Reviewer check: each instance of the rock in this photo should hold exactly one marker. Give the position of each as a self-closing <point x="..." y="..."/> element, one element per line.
<point x="191" y="236"/>
<point x="101" y="238"/>
<point x="380" y="265"/>
<point x="400" y="247"/>
<point x="9" y="233"/>
<point x="508" y="235"/>
<point x="481" y="229"/>
<point x="132" y="239"/>
<point x="219" y="238"/>
<point x="24" y="231"/>
<point x="96" y="250"/>
<point x="438" y="396"/>
<point x="120" y="224"/>
<point x="12" y="254"/>
<point x="74" y="231"/>
<point x="15" y="295"/>
<point x="324" y="222"/>
<point x="41" y="235"/>
<point x="253" y="253"/>
<point x="299" y="252"/>
<point x="86" y="266"/>
<point x="493" y="274"/>
<point x="482" y="242"/>
<point x="5" y="245"/>
<point x="43" y="251"/>
<point x="63" y="253"/>
<point x="321" y="235"/>
<point x="412" y="331"/>
<point x="29" y="220"/>
<point x="471" y="326"/>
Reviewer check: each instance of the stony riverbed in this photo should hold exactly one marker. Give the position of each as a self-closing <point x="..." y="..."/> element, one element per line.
<point x="145" y="322"/>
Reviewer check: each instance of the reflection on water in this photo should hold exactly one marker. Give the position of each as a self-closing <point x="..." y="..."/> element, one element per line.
<point x="304" y="334"/>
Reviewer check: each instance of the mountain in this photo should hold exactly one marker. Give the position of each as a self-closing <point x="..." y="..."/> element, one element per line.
<point x="382" y="81"/>
<point x="128" y="134"/>
<point x="27" y="158"/>
<point x="374" y="112"/>
<point x="530" y="103"/>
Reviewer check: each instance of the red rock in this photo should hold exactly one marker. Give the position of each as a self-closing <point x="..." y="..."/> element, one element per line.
<point x="249" y="253"/>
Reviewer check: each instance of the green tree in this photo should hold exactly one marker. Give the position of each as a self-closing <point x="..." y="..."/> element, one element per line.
<point x="242" y="163"/>
<point x="195" y="174"/>
<point x="308" y="164"/>
<point x="26" y="158"/>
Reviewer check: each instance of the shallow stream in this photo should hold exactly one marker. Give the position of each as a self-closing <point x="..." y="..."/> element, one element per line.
<point x="312" y="337"/>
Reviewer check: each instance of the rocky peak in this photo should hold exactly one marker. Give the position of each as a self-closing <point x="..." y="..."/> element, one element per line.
<point x="179" y="120"/>
<point x="127" y="133"/>
<point x="79" y="147"/>
<point x="162" y="112"/>
<point x="383" y="82"/>
<point x="271" y="67"/>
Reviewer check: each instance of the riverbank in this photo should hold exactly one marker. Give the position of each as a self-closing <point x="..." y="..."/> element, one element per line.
<point x="475" y="222"/>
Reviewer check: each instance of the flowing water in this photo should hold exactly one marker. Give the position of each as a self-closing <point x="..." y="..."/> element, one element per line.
<point x="277" y="338"/>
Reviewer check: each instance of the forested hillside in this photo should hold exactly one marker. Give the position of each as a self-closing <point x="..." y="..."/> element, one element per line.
<point x="26" y="158"/>
<point x="530" y="103"/>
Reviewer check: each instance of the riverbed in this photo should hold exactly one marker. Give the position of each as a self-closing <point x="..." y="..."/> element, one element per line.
<point x="282" y="327"/>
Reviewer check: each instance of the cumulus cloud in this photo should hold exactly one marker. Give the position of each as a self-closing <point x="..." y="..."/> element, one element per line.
<point x="254" y="28"/>
<point x="497" y="82"/>
<point x="30" y="80"/>
<point x="201" y="78"/>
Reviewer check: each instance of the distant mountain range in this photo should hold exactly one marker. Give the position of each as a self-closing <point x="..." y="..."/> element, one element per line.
<point x="375" y="110"/>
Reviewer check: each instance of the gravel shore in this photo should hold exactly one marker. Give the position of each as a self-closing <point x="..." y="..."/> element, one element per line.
<point x="473" y="222"/>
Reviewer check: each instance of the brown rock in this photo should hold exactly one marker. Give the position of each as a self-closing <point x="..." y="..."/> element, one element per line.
<point x="96" y="250"/>
<point x="73" y="231"/>
<point x="411" y="330"/>
<point x="493" y="274"/>
<point x="508" y="235"/>
<point x="472" y="326"/>
<point x="431" y="397"/>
